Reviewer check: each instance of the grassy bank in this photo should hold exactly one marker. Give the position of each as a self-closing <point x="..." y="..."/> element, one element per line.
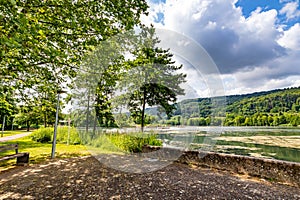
<point x="71" y="143"/>
<point x="40" y="152"/>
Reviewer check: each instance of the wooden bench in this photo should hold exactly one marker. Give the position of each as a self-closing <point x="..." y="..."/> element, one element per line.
<point x="22" y="158"/>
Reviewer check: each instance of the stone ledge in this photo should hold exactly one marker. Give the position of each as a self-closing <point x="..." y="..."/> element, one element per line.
<point x="269" y="169"/>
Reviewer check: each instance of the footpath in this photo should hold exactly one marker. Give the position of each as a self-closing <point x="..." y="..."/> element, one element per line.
<point x="13" y="137"/>
<point x="87" y="178"/>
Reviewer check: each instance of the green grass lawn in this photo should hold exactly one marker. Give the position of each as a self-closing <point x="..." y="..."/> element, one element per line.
<point x="40" y="152"/>
<point x="102" y="144"/>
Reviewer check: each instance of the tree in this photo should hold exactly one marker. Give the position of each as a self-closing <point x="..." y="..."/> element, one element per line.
<point x="152" y="79"/>
<point x="96" y="81"/>
<point x="7" y="104"/>
<point x="247" y="121"/>
<point x="28" y="115"/>
<point x="47" y="39"/>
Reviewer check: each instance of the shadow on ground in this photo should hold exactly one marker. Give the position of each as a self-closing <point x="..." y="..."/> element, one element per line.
<point x="87" y="178"/>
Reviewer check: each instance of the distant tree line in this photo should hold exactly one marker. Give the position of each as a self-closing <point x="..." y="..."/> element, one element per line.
<point x="271" y="108"/>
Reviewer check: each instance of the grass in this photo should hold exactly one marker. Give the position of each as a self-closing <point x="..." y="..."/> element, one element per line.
<point x="118" y="143"/>
<point x="133" y="142"/>
<point x="65" y="135"/>
<point x="40" y="152"/>
<point x="99" y="144"/>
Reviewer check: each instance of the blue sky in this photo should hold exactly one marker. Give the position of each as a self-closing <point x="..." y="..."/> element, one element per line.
<point x="249" y="6"/>
<point x="254" y="43"/>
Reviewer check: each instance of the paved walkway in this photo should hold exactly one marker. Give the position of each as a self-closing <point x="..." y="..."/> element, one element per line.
<point x="13" y="137"/>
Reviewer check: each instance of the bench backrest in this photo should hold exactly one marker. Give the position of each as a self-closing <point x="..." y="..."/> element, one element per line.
<point x="9" y="147"/>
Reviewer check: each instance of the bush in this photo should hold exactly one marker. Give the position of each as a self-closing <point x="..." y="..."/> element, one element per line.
<point x="133" y="142"/>
<point x="45" y="135"/>
<point x="68" y="133"/>
<point x="42" y="135"/>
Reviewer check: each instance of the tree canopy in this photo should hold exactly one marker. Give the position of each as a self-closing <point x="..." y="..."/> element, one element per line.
<point x="47" y="40"/>
<point x="129" y="72"/>
<point x="43" y="42"/>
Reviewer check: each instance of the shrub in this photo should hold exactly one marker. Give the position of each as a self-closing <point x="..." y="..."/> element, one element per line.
<point x="42" y="135"/>
<point x="133" y="142"/>
<point x="64" y="134"/>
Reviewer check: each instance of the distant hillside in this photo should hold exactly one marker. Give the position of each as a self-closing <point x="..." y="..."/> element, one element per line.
<point x="269" y="108"/>
<point x="286" y="100"/>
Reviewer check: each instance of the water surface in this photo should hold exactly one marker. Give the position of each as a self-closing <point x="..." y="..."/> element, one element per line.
<point x="276" y="143"/>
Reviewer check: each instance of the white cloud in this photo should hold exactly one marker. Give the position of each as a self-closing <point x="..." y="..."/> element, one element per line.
<point x="290" y="10"/>
<point x="291" y="38"/>
<point x="255" y="52"/>
<point x="260" y="24"/>
<point x="253" y="81"/>
<point x="279" y="73"/>
<point x="223" y="31"/>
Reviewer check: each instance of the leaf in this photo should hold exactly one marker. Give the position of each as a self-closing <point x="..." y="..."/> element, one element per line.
<point x="13" y="2"/>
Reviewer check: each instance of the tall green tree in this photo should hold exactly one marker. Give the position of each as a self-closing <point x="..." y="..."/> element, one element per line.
<point x="153" y="78"/>
<point x="97" y="79"/>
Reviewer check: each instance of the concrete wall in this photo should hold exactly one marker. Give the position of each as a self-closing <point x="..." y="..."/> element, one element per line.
<point x="272" y="170"/>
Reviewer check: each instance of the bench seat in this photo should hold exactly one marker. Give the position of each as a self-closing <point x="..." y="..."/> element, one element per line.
<point x="22" y="158"/>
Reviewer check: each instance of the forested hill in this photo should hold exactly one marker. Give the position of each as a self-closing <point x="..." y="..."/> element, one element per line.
<point x="285" y="100"/>
<point x="269" y="108"/>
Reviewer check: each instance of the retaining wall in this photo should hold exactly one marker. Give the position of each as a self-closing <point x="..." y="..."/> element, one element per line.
<point x="269" y="169"/>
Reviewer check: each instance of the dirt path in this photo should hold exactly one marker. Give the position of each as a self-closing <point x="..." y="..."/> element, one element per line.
<point x="13" y="137"/>
<point x="87" y="178"/>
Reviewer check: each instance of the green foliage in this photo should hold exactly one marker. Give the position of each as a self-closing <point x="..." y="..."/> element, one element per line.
<point x="43" y="135"/>
<point x="133" y="142"/>
<point x="274" y="108"/>
<point x="44" y="42"/>
<point x="64" y="135"/>
<point x="117" y="142"/>
<point x="146" y="78"/>
<point x="8" y="106"/>
<point x="151" y="78"/>
<point x="101" y="71"/>
<point x="68" y="135"/>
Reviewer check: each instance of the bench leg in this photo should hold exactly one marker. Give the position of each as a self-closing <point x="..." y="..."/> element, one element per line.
<point x="24" y="160"/>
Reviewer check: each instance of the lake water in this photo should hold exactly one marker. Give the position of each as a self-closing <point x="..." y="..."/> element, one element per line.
<point x="276" y="143"/>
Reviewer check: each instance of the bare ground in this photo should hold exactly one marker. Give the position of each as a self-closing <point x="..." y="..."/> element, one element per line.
<point x="87" y="178"/>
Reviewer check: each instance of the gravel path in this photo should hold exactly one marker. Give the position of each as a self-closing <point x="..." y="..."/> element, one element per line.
<point x="13" y="137"/>
<point x="87" y="178"/>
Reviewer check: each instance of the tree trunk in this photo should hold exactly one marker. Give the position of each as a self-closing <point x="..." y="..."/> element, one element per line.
<point x="143" y="110"/>
<point x="3" y="125"/>
<point x="45" y="119"/>
<point x="28" y="125"/>
<point x="87" y="113"/>
<point x="95" y="125"/>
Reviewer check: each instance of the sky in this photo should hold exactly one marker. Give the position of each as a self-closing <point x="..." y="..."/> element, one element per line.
<point x="255" y="44"/>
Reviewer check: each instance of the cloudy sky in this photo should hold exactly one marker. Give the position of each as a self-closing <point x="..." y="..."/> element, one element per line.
<point x="254" y="43"/>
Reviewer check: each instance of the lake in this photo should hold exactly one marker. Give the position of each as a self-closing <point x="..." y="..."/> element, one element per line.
<point x="276" y="143"/>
